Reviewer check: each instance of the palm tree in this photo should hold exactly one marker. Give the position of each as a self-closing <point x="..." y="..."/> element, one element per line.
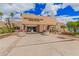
<point x="12" y="14"/>
<point x="1" y="14"/>
<point x="8" y="22"/>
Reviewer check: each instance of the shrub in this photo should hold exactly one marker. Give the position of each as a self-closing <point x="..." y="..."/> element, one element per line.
<point x="6" y="30"/>
<point x="1" y="31"/>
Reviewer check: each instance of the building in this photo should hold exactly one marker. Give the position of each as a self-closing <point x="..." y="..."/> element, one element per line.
<point x="33" y="23"/>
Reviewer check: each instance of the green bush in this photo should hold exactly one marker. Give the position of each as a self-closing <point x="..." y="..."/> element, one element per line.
<point x="1" y="31"/>
<point x="6" y="30"/>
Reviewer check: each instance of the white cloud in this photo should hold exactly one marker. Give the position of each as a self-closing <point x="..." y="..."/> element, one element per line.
<point x="62" y="19"/>
<point x="6" y="8"/>
<point x="54" y="9"/>
<point x="22" y="7"/>
<point x="17" y="16"/>
<point x="50" y="9"/>
<point x="19" y="7"/>
<point x="75" y="6"/>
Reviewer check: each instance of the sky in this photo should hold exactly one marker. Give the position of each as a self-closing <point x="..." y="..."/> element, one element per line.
<point x="63" y="12"/>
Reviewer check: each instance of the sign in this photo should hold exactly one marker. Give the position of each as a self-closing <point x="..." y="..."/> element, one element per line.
<point x="34" y="19"/>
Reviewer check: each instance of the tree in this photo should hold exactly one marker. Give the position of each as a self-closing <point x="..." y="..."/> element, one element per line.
<point x="1" y="14"/>
<point x="72" y="25"/>
<point x="12" y="14"/>
<point x="8" y="22"/>
<point x="77" y="23"/>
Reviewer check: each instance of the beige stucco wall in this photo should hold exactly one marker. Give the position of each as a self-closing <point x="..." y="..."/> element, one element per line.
<point x="46" y="20"/>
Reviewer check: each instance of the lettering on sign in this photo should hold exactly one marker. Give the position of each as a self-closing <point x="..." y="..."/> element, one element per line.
<point x="34" y="19"/>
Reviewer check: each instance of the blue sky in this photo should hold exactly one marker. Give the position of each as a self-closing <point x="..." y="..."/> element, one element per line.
<point x="67" y="11"/>
<point x="59" y="10"/>
<point x="37" y="10"/>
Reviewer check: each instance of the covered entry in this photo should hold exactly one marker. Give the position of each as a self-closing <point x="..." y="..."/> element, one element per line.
<point x="31" y="29"/>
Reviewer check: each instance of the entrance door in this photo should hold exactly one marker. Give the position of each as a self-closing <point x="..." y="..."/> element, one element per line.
<point x="31" y="29"/>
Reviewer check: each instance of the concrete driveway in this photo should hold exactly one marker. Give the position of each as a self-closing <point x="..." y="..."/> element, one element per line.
<point x="39" y="45"/>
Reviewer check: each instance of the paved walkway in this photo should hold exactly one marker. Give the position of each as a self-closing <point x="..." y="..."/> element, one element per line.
<point x="39" y="45"/>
